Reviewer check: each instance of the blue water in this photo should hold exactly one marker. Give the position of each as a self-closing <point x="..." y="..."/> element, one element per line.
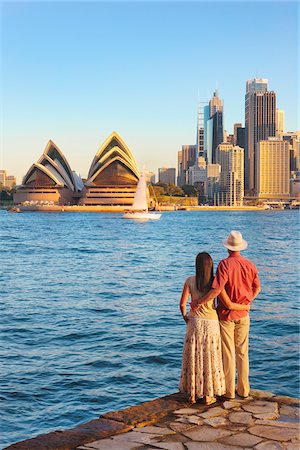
<point x="90" y="317"/>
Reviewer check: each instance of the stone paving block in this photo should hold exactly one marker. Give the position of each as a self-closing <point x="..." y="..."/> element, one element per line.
<point x="209" y="446"/>
<point x="182" y="419"/>
<point x="274" y="433"/>
<point x="231" y="404"/>
<point x="155" y="430"/>
<point x="185" y="411"/>
<point x="111" y="444"/>
<point x="268" y="409"/>
<point x="236" y="427"/>
<point x="269" y="445"/>
<point x="241" y="440"/>
<point x="278" y="423"/>
<point x="214" y="412"/>
<point x="134" y="436"/>
<point x="292" y="446"/>
<point x="256" y="393"/>
<point x="206" y="433"/>
<point x="266" y="416"/>
<point x="169" y="445"/>
<point x="216" y="421"/>
<point x="180" y="427"/>
<point x="291" y="411"/>
<point x="194" y="419"/>
<point x="241" y="417"/>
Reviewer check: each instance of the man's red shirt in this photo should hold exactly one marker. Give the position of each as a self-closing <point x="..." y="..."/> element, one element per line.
<point x="239" y="277"/>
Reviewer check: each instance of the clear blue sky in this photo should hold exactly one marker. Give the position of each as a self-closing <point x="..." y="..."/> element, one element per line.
<point x="75" y="71"/>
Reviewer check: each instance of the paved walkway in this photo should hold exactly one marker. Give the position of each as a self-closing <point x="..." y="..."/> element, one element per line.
<point x="264" y="421"/>
<point x="261" y="422"/>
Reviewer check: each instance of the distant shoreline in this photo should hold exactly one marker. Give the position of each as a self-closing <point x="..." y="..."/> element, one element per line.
<point x="121" y="209"/>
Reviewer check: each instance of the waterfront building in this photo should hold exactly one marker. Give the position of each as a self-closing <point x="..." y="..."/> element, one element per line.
<point x="273" y="169"/>
<point x="212" y="183"/>
<point x="295" y="186"/>
<point x="279" y="121"/>
<point x="150" y="177"/>
<point x="186" y="159"/>
<point x="3" y="176"/>
<point x="113" y="175"/>
<point x="167" y="175"/>
<point x="196" y="174"/>
<point x="260" y="123"/>
<point x="231" y="189"/>
<point x="50" y="179"/>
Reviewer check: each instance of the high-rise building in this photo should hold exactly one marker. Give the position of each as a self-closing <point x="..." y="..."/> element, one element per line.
<point x="214" y="128"/>
<point x="236" y="126"/>
<point x="10" y="181"/>
<point x="196" y="173"/>
<point x="200" y="138"/>
<point x="213" y="172"/>
<point x="3" y="176"/>
<point x="231" y="159"/>
<point x="260" y="123"/>
<point x="240" y="137"/>
<point x="150" y="177"/>
<point x="273" y="169"/>
<point x="187" y="157"/>
<point x="167" y="175"/>
<point x="279" y="121"/>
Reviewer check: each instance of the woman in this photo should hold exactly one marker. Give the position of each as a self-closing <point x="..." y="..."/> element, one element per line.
<point x="202" y="370"/>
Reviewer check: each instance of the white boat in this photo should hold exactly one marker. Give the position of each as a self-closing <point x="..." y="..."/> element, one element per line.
<point x="140" y="206"/>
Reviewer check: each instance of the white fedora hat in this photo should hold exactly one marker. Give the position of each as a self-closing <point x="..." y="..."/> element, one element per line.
<point x="235" y="241"/>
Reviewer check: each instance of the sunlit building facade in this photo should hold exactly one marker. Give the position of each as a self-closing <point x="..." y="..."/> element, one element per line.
<point x="273" y="169"/>
<point x="260" y="123"/>
<point x="113" y="175"/>
<point x="50" y="180"/>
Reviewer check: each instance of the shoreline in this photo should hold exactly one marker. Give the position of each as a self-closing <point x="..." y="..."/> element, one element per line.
<point x="262" y="418"/>
<point x="121" y="209"/>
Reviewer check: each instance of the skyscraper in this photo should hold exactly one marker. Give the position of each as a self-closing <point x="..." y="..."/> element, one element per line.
<point x="166" y="175"/>
<point x="273" y="169"/>
<point x="231" y="159"/>
<point x="214" y="128"/>
<point x="279" y="121"/>
<point x="260" y="123"/>
<point x="187" y="157"/>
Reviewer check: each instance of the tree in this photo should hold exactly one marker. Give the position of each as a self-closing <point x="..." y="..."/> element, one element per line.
<point x="190" y="191"/>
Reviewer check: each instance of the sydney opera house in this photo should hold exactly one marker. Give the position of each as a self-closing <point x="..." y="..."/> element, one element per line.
<point x="111" y="181"/>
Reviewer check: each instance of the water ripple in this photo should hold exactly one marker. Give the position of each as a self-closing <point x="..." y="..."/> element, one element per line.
<point x="90" y="318"/>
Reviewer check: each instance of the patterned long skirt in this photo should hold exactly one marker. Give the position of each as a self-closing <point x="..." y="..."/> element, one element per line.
<point x="202" y="369"/>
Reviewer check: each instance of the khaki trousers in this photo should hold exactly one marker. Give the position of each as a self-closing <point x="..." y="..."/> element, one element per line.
<point x="235" y="338"/>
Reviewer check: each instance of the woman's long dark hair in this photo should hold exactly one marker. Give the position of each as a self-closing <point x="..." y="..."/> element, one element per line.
<point x="204" y="272"/>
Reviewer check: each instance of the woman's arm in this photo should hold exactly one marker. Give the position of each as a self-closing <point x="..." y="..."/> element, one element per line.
<point x="223" y="296"/>
<point x="256" y="292"/>
<point x="183" y="301"/>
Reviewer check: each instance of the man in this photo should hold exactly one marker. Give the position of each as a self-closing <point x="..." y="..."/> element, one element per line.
<point x="237" y="277"/>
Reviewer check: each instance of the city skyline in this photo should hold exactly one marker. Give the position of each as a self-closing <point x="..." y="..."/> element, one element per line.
<point x="135" y="69"/>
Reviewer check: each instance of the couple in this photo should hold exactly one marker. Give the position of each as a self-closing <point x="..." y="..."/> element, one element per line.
<point x="209" y="358"/>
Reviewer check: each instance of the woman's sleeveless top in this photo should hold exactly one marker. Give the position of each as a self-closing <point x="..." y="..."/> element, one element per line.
<point x="206" y="311"/>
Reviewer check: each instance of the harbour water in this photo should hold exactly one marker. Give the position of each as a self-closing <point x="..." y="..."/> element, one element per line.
<point x="90" y="317"/>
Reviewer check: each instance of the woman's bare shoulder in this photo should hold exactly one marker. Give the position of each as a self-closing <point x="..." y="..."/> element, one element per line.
<point x="190" y="280"/>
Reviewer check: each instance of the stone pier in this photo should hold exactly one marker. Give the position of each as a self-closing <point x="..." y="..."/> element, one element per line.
<point x="263" y="421"/>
